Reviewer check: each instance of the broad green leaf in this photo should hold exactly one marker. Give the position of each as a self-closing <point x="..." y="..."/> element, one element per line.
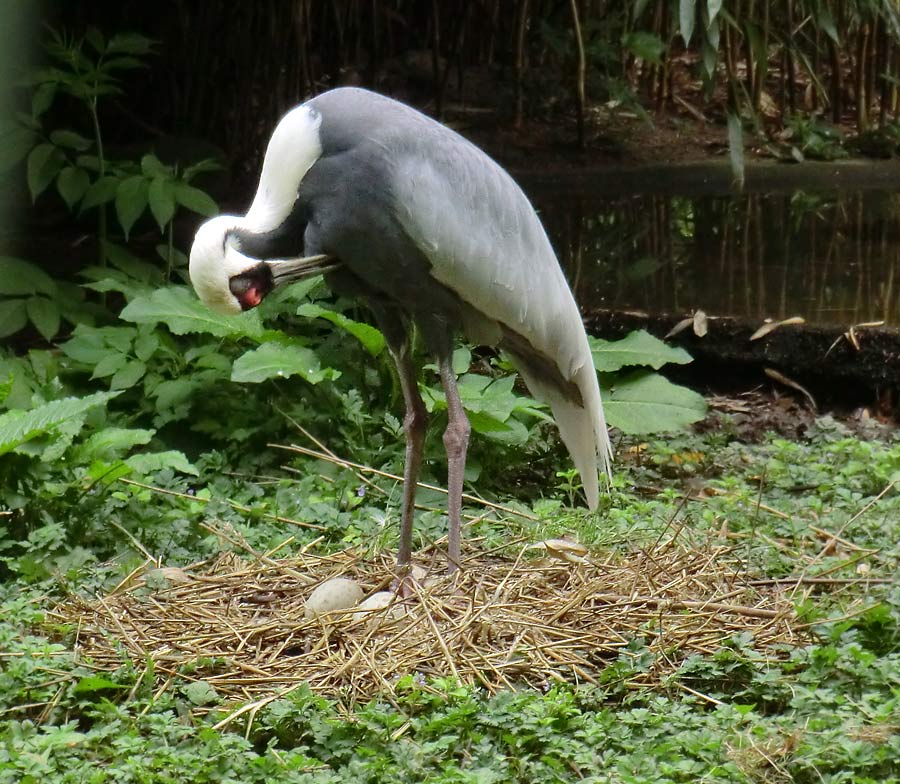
<point x="161" y="196"/>
<point x="646" y="46"/>
<point x="98" y="43"/>
<point x="18" y="276"/>
<point x="284" y="297"/>
<point x="645" y="402"/>
<point x="15" y="144"/>
<point x="713" y="33"/>
<point x="109" y="365"/>
<point x="636" y="348"/>
<point x="826" y="22"/>
<point x="12" y="316"/>
<point x="151" y="166"/>
<point x="119" y="338"/>
<point x="709" y="50"/>
<point x="128" y="375"/>
<point x="94" y="683"/>
<point x="72" y="184"/>
<point x="44" y="162"/>
<point x="483" y="394"/>
<point x="108" y="279"/>
<point x="201" y="693"/>
<point x="151" y="462"/>
<point x="70" y="140"/>
<point x="111" y="443"/>
<point x="44" y="314"/>
<point x="17" y="427"/>
<point x="514" y="433"/>
<point x="86" y="345"/>
<point x="712" y="10"/>
<point x="6" y="386"/>
<point x="195" y="200"/>
<point x="182" y="313"/>
<point x="132" y="265"/>
<point x="89" y="162"/>
<point x="687" y="10"/>
<point x="59" y="440"/>
<point x="101" y="191"/>
<point x="369" y="336"/>
<point x="171" y="393"/>
<point x="485" y="423"/>
<point x="42" y="98"/>
<point x="145" y="345"/>
<point x="206" y="165"/>
<point x="492" y="396"/>
<point x="280" y="360"/>
<point x="131" y="201"/>
<point x="129" y="43"/>
<point x="461" y="360"/>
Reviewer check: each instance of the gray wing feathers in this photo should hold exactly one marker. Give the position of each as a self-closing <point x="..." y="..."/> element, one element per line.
<point x="486" y="243"/>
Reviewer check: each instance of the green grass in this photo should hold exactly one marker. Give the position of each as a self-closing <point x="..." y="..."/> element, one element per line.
<point x="827" y="712"/>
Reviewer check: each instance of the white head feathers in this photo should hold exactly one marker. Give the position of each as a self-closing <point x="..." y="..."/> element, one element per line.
<point x="293" y="149"/>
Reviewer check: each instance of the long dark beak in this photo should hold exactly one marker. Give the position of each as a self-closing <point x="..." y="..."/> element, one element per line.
<point x="289" y="270"/>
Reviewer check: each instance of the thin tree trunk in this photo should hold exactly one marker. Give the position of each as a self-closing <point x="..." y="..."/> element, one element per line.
<point x="579" y="74"/>
<point x="436" y="58"/>
<point x="789" y="54"/>
<point x="521" y="29"/>
<point x="862" y="54"/>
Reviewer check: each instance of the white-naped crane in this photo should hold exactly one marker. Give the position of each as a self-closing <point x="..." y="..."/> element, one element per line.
<point x="403" y="212"/>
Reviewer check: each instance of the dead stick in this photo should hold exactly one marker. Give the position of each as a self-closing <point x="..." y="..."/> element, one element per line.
<point x="687" y="604"/>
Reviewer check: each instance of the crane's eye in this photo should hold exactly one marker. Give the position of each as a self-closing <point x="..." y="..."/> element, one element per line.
<point x="251" y="287"/>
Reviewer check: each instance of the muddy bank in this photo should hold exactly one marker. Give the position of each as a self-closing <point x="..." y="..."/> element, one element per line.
<point x="837" y="368"/>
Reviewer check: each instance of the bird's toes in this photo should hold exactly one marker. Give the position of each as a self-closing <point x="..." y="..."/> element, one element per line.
<point x="409" y="580"/>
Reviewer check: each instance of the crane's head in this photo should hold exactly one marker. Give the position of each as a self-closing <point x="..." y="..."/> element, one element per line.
<point x="225" y="279"/>
<point x="229" y="281"/>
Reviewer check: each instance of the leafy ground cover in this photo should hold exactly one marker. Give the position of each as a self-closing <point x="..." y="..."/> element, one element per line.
<point x="135" y="427"/>
<point x="827" y="711"/>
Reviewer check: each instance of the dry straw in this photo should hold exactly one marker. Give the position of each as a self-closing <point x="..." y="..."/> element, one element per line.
<point x="238" y="622"/>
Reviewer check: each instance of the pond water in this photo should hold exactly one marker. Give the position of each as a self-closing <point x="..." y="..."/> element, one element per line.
<point x="831" y="257"/>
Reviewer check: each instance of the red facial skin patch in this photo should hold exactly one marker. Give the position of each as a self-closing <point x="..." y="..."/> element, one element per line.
<point x="251" y="298"/>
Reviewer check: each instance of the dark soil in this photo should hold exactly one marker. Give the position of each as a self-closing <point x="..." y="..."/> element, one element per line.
<point x="793" y="369"/>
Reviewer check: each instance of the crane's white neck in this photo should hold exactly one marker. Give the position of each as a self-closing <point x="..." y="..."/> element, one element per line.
<point x="293" y="149"/>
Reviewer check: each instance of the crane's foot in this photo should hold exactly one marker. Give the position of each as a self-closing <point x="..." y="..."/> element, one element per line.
<point x="409" y="580"/>
<point x="412" y="580"/>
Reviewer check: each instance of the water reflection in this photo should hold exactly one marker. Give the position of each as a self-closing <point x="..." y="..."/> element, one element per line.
<point x="831" y="258"/>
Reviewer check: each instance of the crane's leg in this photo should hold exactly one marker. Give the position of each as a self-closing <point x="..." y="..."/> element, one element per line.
<point x="396" y="333"/>
<point x="456" y="442"/>
<point x="414" y="425"/>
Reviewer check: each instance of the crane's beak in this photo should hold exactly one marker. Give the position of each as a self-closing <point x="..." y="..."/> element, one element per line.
<point x="289" y="270"/>
<point x="252" y="286"/>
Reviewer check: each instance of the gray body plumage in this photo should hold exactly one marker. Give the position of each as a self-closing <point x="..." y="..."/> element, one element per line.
<point x="429" y="228"/>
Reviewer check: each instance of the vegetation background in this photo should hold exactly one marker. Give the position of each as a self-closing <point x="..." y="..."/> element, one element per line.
<point x="132" y="417"/>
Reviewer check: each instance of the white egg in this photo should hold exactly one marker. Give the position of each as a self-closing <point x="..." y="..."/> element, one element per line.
<point x="376" y="603"/>
<point x="339" y="593"/>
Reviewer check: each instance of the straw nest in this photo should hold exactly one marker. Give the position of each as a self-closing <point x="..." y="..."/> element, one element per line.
<point x="240" y="624"/>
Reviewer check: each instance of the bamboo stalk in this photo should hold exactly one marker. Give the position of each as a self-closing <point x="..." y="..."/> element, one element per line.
<point x="579" y="72"/>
